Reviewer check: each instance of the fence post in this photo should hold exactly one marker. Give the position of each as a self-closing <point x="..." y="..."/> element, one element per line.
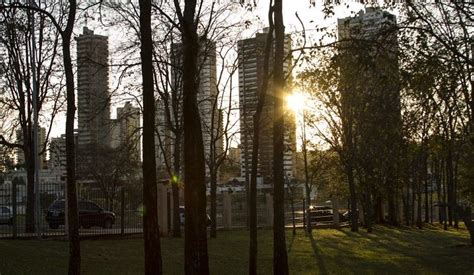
<point x="335" y="212"/>
<point x="304" y="215"/>
<point x="168" y="209"/>
<point x="270" y="209"/>
<point x="122" y="210"/>
<point x="14" y="206"/>
<point x="227" y="210"/>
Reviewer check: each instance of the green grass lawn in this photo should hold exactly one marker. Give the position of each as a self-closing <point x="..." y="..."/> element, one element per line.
<point x="387" y="250"/>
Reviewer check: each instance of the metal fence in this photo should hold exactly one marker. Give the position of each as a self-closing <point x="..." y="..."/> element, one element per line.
<point x="100" y="212"/>
<point x="120" y="211"/>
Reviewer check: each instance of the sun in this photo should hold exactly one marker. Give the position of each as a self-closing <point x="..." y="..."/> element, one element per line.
<point x="296" y="102"/>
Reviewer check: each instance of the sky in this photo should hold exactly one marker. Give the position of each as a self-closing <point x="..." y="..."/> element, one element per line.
<point x="311" y="16"/>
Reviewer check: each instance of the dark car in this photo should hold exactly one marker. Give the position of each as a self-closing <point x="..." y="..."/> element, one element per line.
<point x="6" y="216"/>
<point x="323" y="214"/>
<point x="182" y="219"/>
<point x="90" y="214"/>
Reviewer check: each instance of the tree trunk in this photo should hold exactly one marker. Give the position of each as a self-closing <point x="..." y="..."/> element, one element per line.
<point x="393" y="203"/>
<point x="195" y="248"/>
<point x="213" y="183"/>
<point x="151" y="231"/>
<point x="30" y="184"/>
<point x="419" y="223"/>
<point x="450" y="182"/>
<point x="175" y="188"/>
<point x="306" y="176"/>
<point x="353" y="198"/>
<point x="369" y="211"/>
<point x="280" y="258"/>
<point x="445" y="209"/>
<point x="438" y="171"/>
<point x="466" y="216"/>
<point x="378" y="210"/>
<point x="253" y="243"/>
<point x="408" y="208"/>
<point x="413" y="198"/>
<point x="72" y="209"/>
<point x="425" y="181"/>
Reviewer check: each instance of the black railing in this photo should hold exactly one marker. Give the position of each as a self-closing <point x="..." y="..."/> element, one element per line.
<point x="100" y="212"/>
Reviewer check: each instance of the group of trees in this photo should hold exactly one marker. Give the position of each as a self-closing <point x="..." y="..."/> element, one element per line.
<point x="397" y="110"/>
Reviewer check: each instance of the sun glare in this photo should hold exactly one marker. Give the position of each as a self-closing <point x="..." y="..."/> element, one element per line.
<point x="296" y="102"/>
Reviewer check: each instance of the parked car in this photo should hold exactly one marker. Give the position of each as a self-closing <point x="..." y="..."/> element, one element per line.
<point x="6" y="215"/>
<point x="182" y="219"/>
<point x="90" y="214"/>
<point x="323" y="214"/>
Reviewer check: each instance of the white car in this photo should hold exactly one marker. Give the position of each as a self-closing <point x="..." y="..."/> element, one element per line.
<point x="6" y="215"/>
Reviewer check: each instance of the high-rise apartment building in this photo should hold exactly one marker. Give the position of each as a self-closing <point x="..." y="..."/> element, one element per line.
<point x="57" y="155"/>
<point x="251" y="76"/>
<point x="369" y="64"/>
<point x="20" y="156"/>
<point x="125" y="129"/>
<point x="206" y="96"/>
<point x="93" y="102"/>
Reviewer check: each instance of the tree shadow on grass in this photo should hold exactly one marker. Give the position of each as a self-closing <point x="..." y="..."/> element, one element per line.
<point x="320" y="261"/>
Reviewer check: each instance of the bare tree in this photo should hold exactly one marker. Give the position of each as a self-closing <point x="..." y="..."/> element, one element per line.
<point x="19" y="97"/>
<point x="66" y="18"/>
<point x="195" y="249"/>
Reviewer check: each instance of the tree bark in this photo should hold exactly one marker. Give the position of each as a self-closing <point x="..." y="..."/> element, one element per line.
<point x="72" y="209"/>
<point x="253" y="242"/>
<point x="280" y="258"/>
<point x="450" y="182"/>
<point x="175" y="188"/>
<point x="30" y="182"/>
<point x="213" y="183"/>
<point x="151" y="232"/>
<point x="353" y="199"/>
<point x="195" y="247"/>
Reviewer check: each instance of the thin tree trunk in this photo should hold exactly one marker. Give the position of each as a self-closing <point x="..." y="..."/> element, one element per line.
<point x="445" y="209"/>
<point x="450" y="183"/>
<point x="213" y="183"/>
<point x="280" y="258"/>
<point x="253" y="243"/>
<point x="353" y="198"/>
<point x="406" y="205"/>
<point x="175" y="188"/>
<point x="306" y="176"/>
<point x="392" y="200"/>
<point x="427" y="210"/>
<point x="30" y="186"/>
<point x="419" y="223"/>
<point x="413" y="198"/>
<point x="369" y="213"/>
<point x="151" y="231"/>
<point x="72" y="210"/>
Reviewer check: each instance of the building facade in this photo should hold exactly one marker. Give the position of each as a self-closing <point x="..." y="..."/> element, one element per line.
<point x="125" y="129"/>
<point x="210" y="114"/>
<point x="251" y="76"/>
<point x="20" y="156"/>
<point x="93" y="98"/>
